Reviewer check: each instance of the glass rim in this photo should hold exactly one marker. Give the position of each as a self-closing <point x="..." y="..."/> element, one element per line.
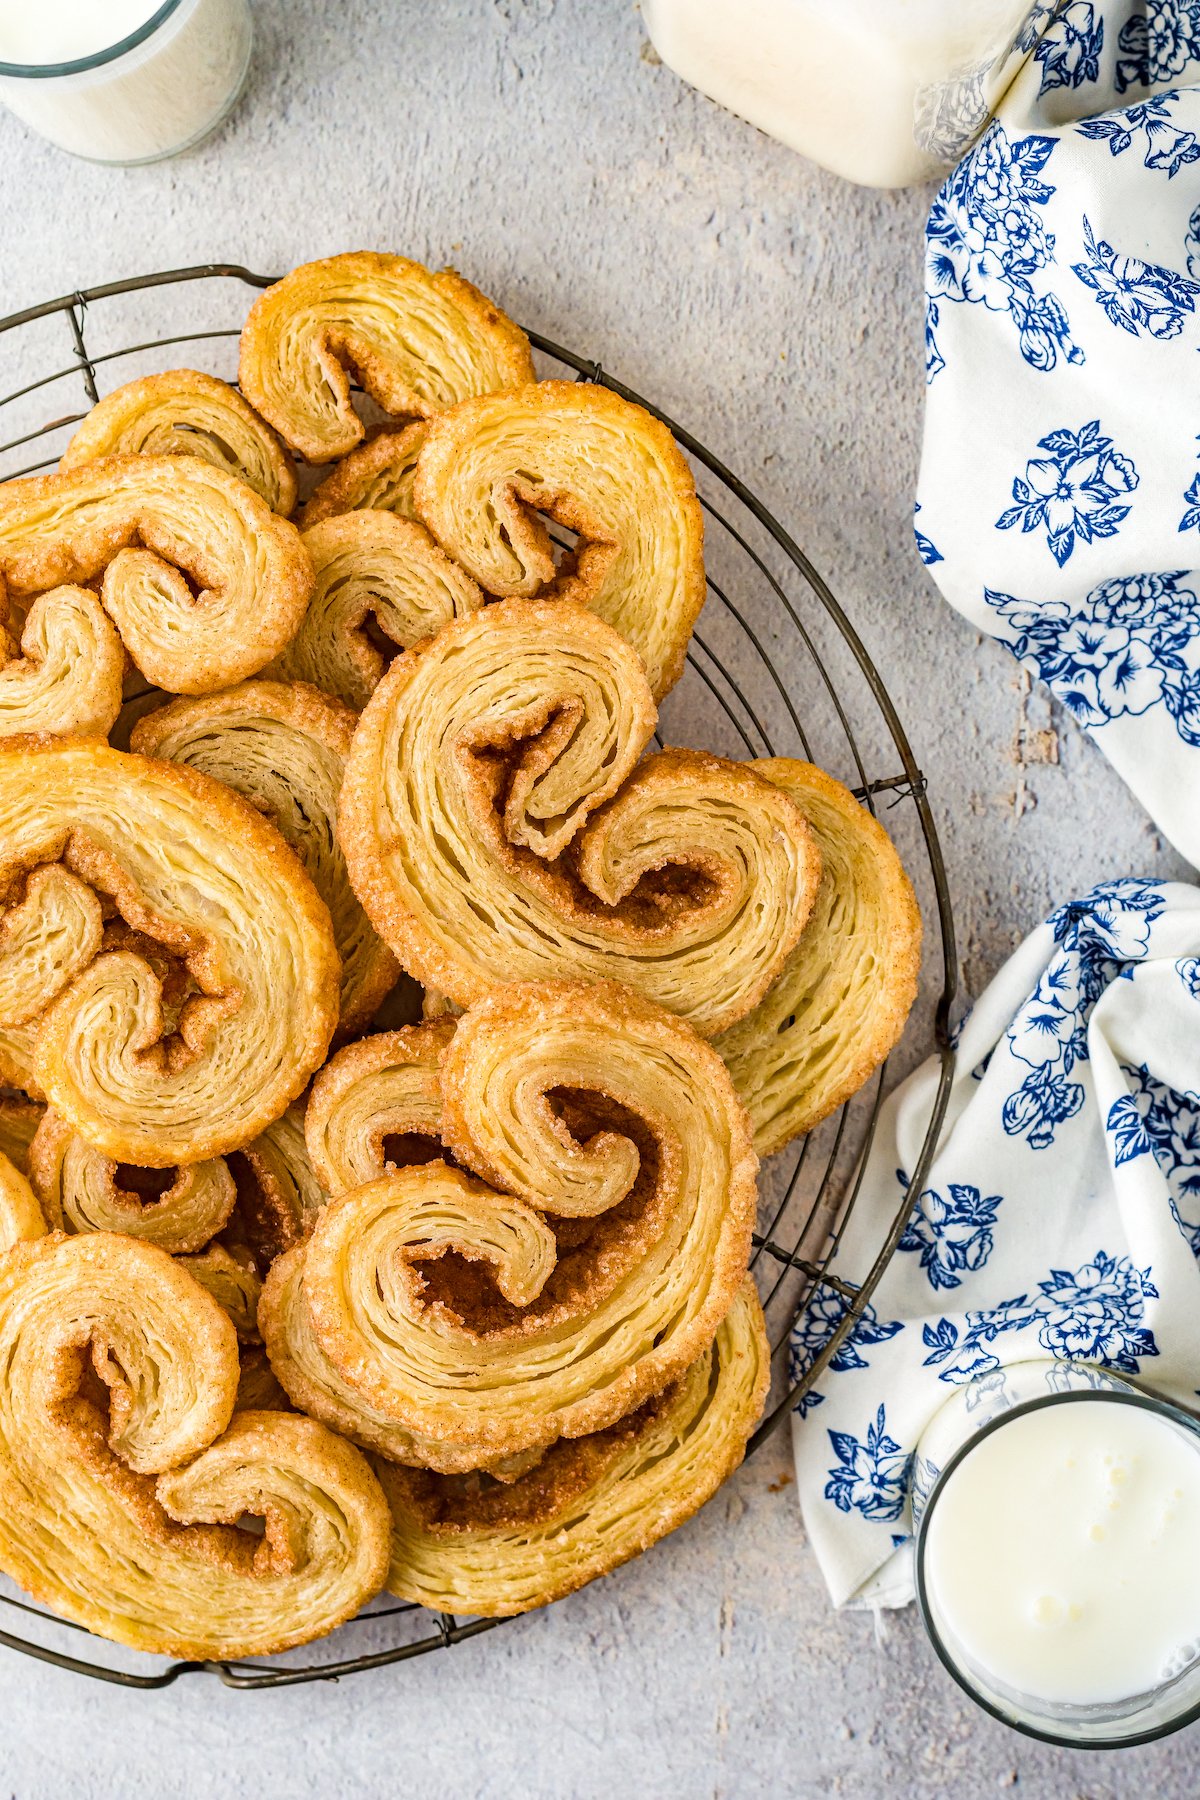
<point x="98" y="58"/>
<point x="1129" y="1396"/>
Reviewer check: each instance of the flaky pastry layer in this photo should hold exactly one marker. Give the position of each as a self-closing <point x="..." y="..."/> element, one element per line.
<point x="283" y="745"/>
<point x="591" y="1503"/>
<point x="379" y="474"/>
<point x="842" y="1000"/>
<point x="377" y="576"/>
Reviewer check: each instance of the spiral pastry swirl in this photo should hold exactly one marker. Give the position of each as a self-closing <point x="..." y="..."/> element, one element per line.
<point x="586" y="1106"/>
<point x="184" y="412"/>
<point x="124" y="1526"/>
<point x="477" y="763"/>
<point x="148" y="524"/>
<point x="418" y="342"/>
<point x="378" y="475"/>
<point x="845" y="992"/>
<point x="208" y="882"/>
<point x="68" y="675"/>
<point x="284" y="746"/>
<point x="592" y="1503"/>
<point x="79" y="1190"/>
<point x="376" y="1105"/>
<point x="595" y="463"/>
<point x="371" y="569"/>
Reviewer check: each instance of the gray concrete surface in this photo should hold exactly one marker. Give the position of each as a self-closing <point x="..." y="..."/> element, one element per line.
<point x="775" y="310"/>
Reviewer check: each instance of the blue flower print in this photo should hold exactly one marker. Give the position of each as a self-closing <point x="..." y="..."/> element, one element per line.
<point x="1075" y="491"/>
<point x="1157" y="42"/>
<point x="986" y="240"/>
<point x="1095" y="1313"/>
<point x="962" y="1355"/>
<point x="951" y="1232"/>
<point x="1050" y="1035"/>
<point x="871" y="1476"/>
<point x="1112" y="920"/>
<point x="1070" y="50"/>
<point x="926" y="550"/>
<point x="1154" y="1119"/>
<point x="1137" y="296"/>
<point x="1098" y="936"/>
<point x="1191" y="507"/>
<point x="1045" y="1100"/>
<point x="1047" y="1030"/>
<point x="816" y="1325"/>
<point x="934" y="362"/>
<point x="1090" y="1314"/>
<point x="1166" y="148"/>
<point x="1132" y="643"/>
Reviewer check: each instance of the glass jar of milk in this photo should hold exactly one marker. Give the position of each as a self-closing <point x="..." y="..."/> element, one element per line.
<point x="125" y="81"/>
<point x="1057" y="1517"/>
<point x="884" y="92"/>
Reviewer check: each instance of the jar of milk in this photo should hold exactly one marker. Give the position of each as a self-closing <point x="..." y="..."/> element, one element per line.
<point x="127" y="81"/>
<point x="1057" y="1511"/>
<point x="884" y="92"/>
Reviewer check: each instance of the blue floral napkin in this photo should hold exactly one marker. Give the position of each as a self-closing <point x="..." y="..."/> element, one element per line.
<point x="1059" y="496"/>
<point x="1061" y="1215"/>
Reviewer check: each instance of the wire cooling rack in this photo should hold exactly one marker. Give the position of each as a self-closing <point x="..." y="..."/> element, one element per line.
<point x="775" y="669"/>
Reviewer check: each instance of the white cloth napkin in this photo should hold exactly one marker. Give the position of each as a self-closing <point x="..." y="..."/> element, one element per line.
<point x="1061" y="1215"/>
<point x="1059" y="496"/>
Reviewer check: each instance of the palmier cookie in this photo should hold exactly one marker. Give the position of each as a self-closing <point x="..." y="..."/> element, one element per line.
<point x="648" y="1178"/>
<point x="595" y="463"/>
<point x="214" y="891"/>
<point x="122" y="1523"/>
<point x="418" y="342"/>
<point x="79" y="1189"/>
<point x="61" y="667"/>
<point x="514" y="737"/>
<point x="186" y="413"/>
<point x="155" y="527"/>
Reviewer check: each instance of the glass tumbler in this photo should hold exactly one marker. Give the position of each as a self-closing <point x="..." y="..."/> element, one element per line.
<point x="155" y="92"/>
<point x="986" y="1405"/>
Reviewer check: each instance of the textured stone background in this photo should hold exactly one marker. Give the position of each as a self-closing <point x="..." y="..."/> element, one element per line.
<point x="775" y="311"/>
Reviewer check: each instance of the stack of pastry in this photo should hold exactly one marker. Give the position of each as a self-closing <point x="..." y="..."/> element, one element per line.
<point x="293" y="1306"/>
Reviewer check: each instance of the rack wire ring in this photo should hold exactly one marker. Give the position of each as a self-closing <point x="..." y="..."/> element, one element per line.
<point x="732" y="685"/>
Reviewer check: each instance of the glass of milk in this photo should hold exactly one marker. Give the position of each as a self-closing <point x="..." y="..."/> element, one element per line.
<point x="123" y="81"/>
<point x="1057" y="1516"/>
